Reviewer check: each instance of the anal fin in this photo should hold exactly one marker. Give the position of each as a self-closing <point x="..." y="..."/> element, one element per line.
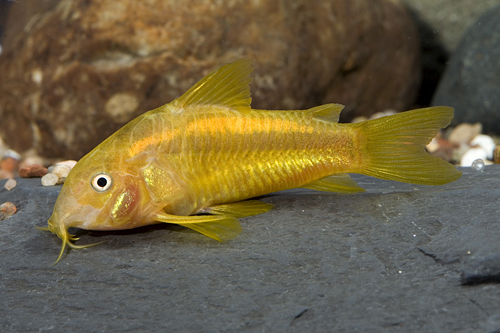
<point x="340" y="183"/>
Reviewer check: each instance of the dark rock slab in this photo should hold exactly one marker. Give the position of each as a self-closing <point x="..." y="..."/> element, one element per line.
<point x="449" y="19"/>
<point x="470" y="82"/>
<point x="482" y="270"/>
<point x="394" y="258"/>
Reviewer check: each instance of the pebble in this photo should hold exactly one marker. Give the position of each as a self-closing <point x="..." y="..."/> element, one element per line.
<point x="70" y="163"/>
<point x="433" y="145"/>
<point x="57" y="173"/>
<point x="485" y="142"/>
<point x="10" y="184"/>
<point x="464" y="133"/>
<point x="7" y="209"/>
<point x="471" y="155"/>
<point x="480" y="147"/>
<point x="61" y="170"/>
<point x="50" y="179"/>
<point x="385" y="113"/>
<point x="388" y="112"/>
<point x="33" y="171"/>
<point x="12" y="153"/>
<point x="359" y="119"/>
<point x="496" y="155"/>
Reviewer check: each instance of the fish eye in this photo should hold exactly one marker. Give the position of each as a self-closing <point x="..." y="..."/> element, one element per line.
<point x="101" y="182"/>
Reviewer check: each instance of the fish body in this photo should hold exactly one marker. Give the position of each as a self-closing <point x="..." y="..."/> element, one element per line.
<point x="208" y="152"/>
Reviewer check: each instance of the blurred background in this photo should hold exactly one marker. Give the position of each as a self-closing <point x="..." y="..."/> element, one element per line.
<point x="74" y="71"/>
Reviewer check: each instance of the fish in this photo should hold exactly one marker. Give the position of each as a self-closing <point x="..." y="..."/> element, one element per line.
<point x="199" y="160"/>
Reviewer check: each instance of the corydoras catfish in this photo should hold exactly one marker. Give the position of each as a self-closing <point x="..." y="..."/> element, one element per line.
<point x="198" y="159"/>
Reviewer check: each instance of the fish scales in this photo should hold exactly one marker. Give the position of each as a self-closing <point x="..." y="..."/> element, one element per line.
<point x="269" y="151"/>
<point x="208" y="152"/>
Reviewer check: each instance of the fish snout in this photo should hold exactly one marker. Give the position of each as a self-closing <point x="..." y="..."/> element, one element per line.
<point x="56" y="226"/>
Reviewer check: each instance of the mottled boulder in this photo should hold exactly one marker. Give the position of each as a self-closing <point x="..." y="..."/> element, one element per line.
<point x="470" y="82"/>
<point x="75" y="71"/>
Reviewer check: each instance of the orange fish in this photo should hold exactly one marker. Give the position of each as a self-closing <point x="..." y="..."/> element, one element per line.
<point x="208" y="152"/>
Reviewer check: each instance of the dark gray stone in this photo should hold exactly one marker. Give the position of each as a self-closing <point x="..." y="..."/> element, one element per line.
<point x="392" y="259"/>
<point x="449" y="19"/>
<point x="482" y="270"/>
<point x="471" y="81"/>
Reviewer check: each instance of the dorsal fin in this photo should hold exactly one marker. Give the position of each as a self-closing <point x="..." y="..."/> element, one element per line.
<point x="340" y="183"/>
<point x="330" y="112"/>
<point x="226" y="86"/>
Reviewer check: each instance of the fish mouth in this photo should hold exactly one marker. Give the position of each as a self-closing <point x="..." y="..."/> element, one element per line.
<point x="67" y="238"/>
<point x="62" y="233"/>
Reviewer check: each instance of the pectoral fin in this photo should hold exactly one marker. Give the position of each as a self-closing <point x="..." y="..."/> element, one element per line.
<point x="218" y="227"/>
<point x="341" y="183"/>
<point x="239" y="209"/>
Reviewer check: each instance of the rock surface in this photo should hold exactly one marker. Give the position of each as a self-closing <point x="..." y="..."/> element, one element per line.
<point x="441" y="25"/>
<point x="75" y="71"/>
<point x="470" y="82"/>
<point x="449" y="19"/>
<point x="399" y="257"/>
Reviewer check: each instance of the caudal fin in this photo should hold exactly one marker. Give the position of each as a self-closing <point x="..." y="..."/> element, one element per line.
<point x="393" y="147"/>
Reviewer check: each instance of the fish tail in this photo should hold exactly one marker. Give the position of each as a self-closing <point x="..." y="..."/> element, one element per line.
<point x="393" y="147"/>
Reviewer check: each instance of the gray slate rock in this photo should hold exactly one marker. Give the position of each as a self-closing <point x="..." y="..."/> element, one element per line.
<point x="482" y="270"/>
<point x="449" y="19"/>
<point x="471" y="81"/>
<point x="395" y="258"/>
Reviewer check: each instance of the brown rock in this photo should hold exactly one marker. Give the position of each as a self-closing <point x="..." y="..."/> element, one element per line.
<point x="33" y="171"/>
<point x="75" y="71"/>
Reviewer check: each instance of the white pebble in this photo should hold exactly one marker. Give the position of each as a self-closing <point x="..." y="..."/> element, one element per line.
<point x="478" y="165"/>
<point x="485" y="142"/>
<point x="61" y="170"/>
<point x="464" y="133"/>
<point x="50" y="179"/>
<point x="381" y="114"/>
<point x="359" y="119"/>
<point x="432" y="146"/>
<point x="471" y="155"/>
<point x="10" y="184"/>
<point x="12" y="153"/>
<point x="70" y="163"/>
